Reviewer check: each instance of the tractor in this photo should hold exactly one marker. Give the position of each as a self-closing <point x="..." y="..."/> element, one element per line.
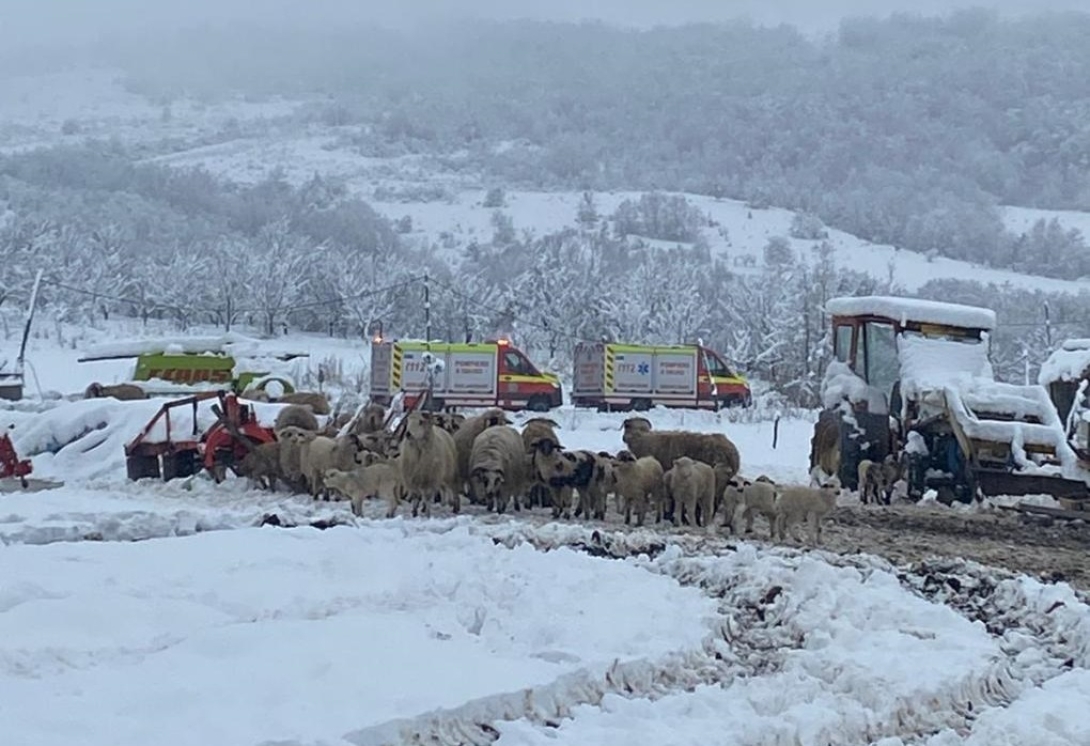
<point x="166" y="453"/>
<point x="912" y="378"/>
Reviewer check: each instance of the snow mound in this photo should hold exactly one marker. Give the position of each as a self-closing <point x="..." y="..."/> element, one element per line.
<point x="267" y="634"/>
<point x="1068" y="363"/>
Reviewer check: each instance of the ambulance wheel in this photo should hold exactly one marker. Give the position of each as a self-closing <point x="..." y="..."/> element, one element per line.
<point x="539" y="403"/>
<point x="640" y="405"/>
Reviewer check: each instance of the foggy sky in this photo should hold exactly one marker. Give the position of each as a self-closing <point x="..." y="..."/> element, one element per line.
<point x="38" y="22"/>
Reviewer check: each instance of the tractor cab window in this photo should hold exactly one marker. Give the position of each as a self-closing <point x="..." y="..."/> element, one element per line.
<point x="842" y="343"/>
<point x="517" y="365"/>
<point x="883" y="367"/>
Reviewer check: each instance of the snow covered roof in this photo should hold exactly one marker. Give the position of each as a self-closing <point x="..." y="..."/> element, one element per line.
<point x="1067" y="363"/>
<point x="913" y="309"/>
<point x="229" y="343"/>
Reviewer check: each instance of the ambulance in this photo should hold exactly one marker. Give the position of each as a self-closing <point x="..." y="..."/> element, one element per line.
<point x="638" y="377"/>
<point x="485" y="374"/>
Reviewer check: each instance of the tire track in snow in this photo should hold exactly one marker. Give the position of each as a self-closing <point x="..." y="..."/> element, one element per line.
<point x="754" y="635"/>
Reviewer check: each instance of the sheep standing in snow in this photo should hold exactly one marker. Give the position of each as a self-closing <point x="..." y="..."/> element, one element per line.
<point x="876" y="480"/>
<point x="370" y="419"/>
<point x="743" y="499"/>
<point x="429" y="463"/>
<point x="714" y="449"/>
<point x="293" y="440"/>
<point x="690" y="484"/>
<point x="638" y="484"/>
<point x="498" y="467"/>
<point x="262" y="465"/>
<point x="825" y="448"/>
<point x="463" y="443"/>
<point x="797" y="504"/>
<point x="296" y="415"/>
<point x="566" y="472"/>
<point x="120" y="391"/>
<point x="379" y="479"/>
<point x="539" y="430"/>
<point x="322" y="454"/>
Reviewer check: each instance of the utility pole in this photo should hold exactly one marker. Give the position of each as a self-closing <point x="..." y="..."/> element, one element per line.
<point x="427" y="312"/>
<point x="1048" y="328"/>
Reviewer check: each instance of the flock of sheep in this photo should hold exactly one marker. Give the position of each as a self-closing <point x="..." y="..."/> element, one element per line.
<point x="675" y="476"/>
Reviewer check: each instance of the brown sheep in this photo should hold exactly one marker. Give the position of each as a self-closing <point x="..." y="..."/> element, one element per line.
<point x="692" y="484"/>
<point x="876" y="480"/>
<point x="825" y="444"/>
<point x="429" y="463"/>
<point x="262" y="465"/>
<point x="293" y="440"/>
<point x="296" y="415"/>
<point x="810" y="504"/>
<point x="318" y="403"/>
<point x="638" y="484"/>
<point x="381" y="479"/>
<point x="463" y="442"/>
<point x="668" y="445"/>
<point x="121" y="392"/>
<point x="370" y="418"/>
<point x="498" y="467"/>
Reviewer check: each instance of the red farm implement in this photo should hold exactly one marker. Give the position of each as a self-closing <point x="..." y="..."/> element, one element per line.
<point x="10" y="463"/>
<point x="171" y="454"/>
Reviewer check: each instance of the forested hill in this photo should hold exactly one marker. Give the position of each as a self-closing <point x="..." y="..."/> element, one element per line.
<point x="906" y="131"/>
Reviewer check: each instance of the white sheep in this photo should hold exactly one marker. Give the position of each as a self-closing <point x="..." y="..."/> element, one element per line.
<point x="296" y="415"/>
<point x="499" y="467"/>
<point x="463" y="441"/>
<point x="638" y="484"/>
<point x="323" y="453"/>
<point x="293" y="440"/>
<point x="380" y="479"/>
<point x="796" y="504"/>
<point x="691" y="484"/>
<point x="429" y="463"/>
<point x="743" y="499"/>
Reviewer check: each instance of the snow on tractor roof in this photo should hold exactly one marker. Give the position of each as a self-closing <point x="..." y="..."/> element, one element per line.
<point x="1067" y="363"/>
<point x="913" y="309"/>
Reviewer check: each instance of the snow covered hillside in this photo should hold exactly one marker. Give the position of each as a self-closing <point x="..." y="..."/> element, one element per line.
<point x="247" y="140"/>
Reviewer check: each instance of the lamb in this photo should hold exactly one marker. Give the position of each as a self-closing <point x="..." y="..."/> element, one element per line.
<point x="262" y="465"/>
<point x="691" y="483"/>
<point x="594" y="497"/>
<point x="428" y="462"/>
<point x="876" y="480"/>
<point x="296" y="415"/>
<point x="293" y="440"/>
<point x="318" y="403"/>
<point x="380" y="479"/>
<point x="498" y="467"/>
<point x="812" y="504"/>
<point x="467" y="433"/>
<point x="638" y="484"/>
<point x="538" y="430"/>
<point x="323" y="453"/>
<point x="121" y="392"/>
<point x="742" y="499"/>
<point x="668" y="445"/>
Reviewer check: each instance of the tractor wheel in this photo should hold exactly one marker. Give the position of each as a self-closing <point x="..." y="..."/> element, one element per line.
<point x="142" y="467"/>
<point x="180" y="465"/>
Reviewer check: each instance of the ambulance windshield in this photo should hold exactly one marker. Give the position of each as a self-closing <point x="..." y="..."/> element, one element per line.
<point x="518" y="365"/>
<point x="716" y="366"/>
